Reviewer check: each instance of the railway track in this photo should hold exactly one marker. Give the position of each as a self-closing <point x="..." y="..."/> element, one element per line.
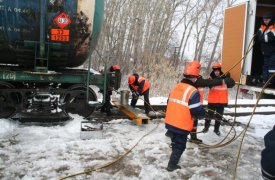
<point x="160" y="109"/>
<point x="245" y="110"/>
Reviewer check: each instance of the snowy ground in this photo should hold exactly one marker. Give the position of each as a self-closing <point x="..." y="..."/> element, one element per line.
<point x="49" y="152"/>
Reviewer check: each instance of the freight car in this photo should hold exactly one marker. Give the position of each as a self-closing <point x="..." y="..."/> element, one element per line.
<point x="42" y="44"/>
<point x="241" y="22"/>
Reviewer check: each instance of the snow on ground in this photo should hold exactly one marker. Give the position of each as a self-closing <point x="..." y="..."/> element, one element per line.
<point x="31" y="152"/>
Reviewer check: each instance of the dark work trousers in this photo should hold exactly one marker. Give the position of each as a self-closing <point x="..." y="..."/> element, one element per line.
<point x="268" y="156"/>
<point x="178" y="147"/>
<point x="107" y="105"/>
<point x="268" y="67"/>
<point x="193" y="133"/>
<point x="216" y="108"/>
<point x="195" y="123"/>
<point x="146" y="101"/>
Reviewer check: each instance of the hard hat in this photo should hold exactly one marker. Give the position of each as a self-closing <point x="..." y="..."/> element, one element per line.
<point x="131" y="79"/>
<point x="268" y="15"/>
<point x="216" y="66"/>
<point x="191" y="72"/>
<point x="116" y="67"/>
<point x="196" y="64"/>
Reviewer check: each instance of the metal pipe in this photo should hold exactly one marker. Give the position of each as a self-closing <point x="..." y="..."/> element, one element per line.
<point x="42" y="27"/>
<point x="88" y="75"/>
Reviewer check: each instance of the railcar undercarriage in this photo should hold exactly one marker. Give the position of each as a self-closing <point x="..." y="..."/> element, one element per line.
<point x="34" y="100"/>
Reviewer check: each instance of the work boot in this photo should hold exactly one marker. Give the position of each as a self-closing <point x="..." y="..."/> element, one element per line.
<point x="206" y="126"/>
<point x="172" y="167"/>
<point x="174" y="159"/>
<point x="102" y="109"/>
<point x="205" y="129"/>
<point x="109" y="113"/>
<point x="217" y="127"/>
<point x="260" y="84"/>
<point x="217" y="132"/>
<point x="197" y="141"/>
<point x="194" y="138"/>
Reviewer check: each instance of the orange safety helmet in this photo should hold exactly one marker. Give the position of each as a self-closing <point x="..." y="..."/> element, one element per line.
<point x="131" y="79"/>
<point x="116" y="67"/>
<point x="191" y="72"/>
<point x="197" y="64"/>
<point x="216" y="66"/>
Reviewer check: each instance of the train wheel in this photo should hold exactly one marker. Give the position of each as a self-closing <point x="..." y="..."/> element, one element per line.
<point x="75" y="101"/>
<point x="6" y="99"/>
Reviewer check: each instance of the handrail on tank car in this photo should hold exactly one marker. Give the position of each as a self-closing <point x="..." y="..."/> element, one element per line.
<point x="88" y="78"/>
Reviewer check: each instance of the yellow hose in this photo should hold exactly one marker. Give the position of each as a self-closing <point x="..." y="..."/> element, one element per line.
<point x="247" y="125"/>
<point x="220" y="144"/>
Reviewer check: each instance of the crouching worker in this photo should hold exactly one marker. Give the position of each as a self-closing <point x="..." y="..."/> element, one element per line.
<point x="107" y="105"/>
<point x="139" y="86"/>
<point x="183" y="104"/>
<point x="268" y="156"/>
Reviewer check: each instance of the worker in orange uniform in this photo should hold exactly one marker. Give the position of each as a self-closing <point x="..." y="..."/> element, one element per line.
<point x="200" y="84"/>
<point x="217" y="98"/>
<point x="107" y="105"/>
<point x="183" y="104"/>
<point x="266" y="37"/>
<point x="139" y="86"/>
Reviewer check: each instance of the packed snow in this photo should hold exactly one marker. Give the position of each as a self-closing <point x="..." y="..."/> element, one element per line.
<point x="31" y="152"/>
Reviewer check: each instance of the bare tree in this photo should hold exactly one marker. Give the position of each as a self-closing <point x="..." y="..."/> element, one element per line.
<point x="141" y="36"/>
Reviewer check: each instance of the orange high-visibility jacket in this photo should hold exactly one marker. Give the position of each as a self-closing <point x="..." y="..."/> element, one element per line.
<point x="200" y="89"/>
<point x="265" y="29"/>
<point x="178" y="112"/>
<point x="218" y="94"/>
<point x="145" y="87"/>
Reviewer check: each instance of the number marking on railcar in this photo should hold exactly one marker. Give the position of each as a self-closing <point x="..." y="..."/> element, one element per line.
<point x="60" y="35"/>
<point x="9" y="75"/>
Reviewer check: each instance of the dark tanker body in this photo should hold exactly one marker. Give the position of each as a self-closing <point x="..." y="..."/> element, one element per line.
<point x="20" y="28"/>
<point x="41" y="43"/>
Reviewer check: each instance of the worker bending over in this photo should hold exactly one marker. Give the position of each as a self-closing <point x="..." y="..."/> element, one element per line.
<point x="139" y="86"/>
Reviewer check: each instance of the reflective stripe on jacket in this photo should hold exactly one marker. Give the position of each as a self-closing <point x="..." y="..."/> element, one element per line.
<point x="218" y="94"/>
<point x="264" y="29"/>
<point x="145" y="87"/>
<point x="178" y="110"/>
<point x="200" y="89"/>
<point x="266" y="36"/>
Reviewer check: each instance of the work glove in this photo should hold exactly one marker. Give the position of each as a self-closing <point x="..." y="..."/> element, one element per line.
<point x="135" y="95"/>
<point x="229" y="82"/>
<point x="225" y="75"/>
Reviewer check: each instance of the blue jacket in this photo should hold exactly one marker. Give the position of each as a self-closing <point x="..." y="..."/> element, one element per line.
<point x="268" y="156"/>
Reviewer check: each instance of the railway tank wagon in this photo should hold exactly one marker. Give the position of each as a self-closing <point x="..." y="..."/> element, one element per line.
<point x="42" y="42"/>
